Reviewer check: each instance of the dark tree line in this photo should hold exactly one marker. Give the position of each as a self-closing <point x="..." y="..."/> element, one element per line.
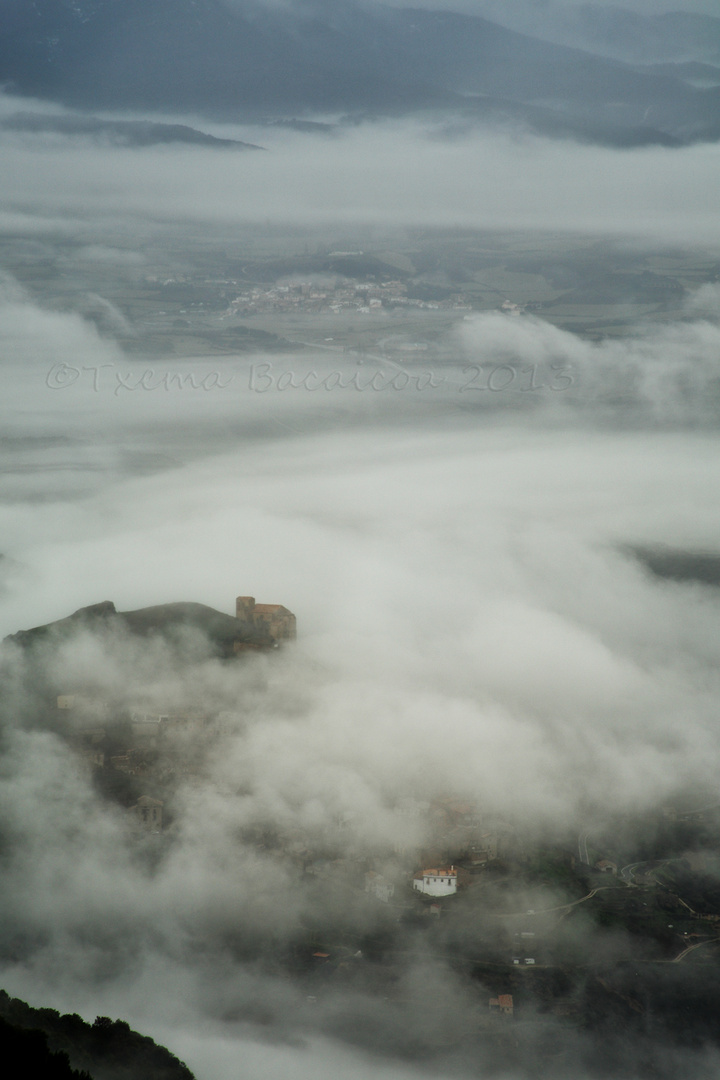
<point x="47" y="1044"/>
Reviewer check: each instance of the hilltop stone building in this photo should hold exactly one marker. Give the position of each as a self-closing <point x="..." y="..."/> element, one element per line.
<point x="271" y="620"/>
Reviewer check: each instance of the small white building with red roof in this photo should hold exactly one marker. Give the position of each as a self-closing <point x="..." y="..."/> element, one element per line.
<point x="442" y="881"/>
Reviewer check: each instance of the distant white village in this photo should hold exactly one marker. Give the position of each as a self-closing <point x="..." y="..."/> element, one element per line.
<point x="355" y="296"/>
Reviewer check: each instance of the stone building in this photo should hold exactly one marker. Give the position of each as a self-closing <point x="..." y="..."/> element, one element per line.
<point x="272" y="620"/>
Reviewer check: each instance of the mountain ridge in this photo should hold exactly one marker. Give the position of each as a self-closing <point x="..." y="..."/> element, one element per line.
<point x="167" y="620"/>
<point x="249" y="61"/>
<point x="104" y="1050"/>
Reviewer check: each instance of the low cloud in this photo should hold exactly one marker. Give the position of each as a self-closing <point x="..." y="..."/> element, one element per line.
<point x="388" y="172"/>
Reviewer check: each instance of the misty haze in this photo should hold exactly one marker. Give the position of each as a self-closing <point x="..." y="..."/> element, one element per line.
<point x="360" y="562"/>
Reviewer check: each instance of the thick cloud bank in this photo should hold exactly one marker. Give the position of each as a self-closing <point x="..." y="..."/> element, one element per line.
<point x="388" y="172"/>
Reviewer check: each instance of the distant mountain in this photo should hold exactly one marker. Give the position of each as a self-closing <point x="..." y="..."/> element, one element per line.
<point x="119" y="132"/>
<point x="612" y="31"/>
<point x="247" y="60"/>
<point x="690" y="71"/>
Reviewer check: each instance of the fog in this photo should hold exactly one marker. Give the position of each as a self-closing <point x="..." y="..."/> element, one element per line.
<point x="392" y="173"/>
<point x="472" y="621"/>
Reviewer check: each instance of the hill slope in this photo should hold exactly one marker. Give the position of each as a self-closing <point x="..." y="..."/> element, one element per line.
<point x="244" y="59"/>
<point x="105" y="1050"/>
<point x="166" y="620"/>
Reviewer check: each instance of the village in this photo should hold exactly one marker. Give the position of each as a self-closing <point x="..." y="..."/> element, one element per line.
<point x="338" y="296"/>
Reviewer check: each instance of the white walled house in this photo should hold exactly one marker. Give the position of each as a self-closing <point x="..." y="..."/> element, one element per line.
<point x="440" y="882"/>
<point x="146" y="814"/>
<point x="379" y="886"/>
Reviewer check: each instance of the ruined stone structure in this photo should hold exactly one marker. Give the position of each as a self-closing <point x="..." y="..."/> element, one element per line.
<point x="271" y="620"/>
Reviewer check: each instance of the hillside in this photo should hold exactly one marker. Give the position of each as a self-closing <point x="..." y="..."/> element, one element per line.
<point x="245" y="60"/>
<point x="55" y="1047"/>
<point x="167" y="620"/>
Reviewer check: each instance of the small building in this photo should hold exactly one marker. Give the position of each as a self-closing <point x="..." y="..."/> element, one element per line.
<point x="606" y="866"/>
<point x="184" y="723"/>
<point x="379" y="886"/>
<point x="121" y="763"/>
<point x="92" y="756"/>
<point x="272" y="620"/>
<point x="691" y="815"/>
<point x="146" y="814"/>
<point x="146" y="726"/>
<point x="503" y="1003"/>
<point x="442" y="881"/>
<point x="80" y="711"/>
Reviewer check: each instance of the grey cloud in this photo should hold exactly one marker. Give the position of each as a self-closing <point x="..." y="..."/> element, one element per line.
<point x="386" y="172"/>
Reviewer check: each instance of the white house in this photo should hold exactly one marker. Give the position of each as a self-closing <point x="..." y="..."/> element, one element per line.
<point x="379" y="886"/>
<point x="146" y="814"/>
<point x="440" y="882"/>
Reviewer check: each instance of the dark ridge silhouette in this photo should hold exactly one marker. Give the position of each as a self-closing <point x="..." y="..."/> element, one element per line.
<point x="121" y="132"/>
<point x="43" y="1043"/>
<point x="167" y="620"/>
<point x="675" y="564"/>
<point x="26" y="1053"/>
